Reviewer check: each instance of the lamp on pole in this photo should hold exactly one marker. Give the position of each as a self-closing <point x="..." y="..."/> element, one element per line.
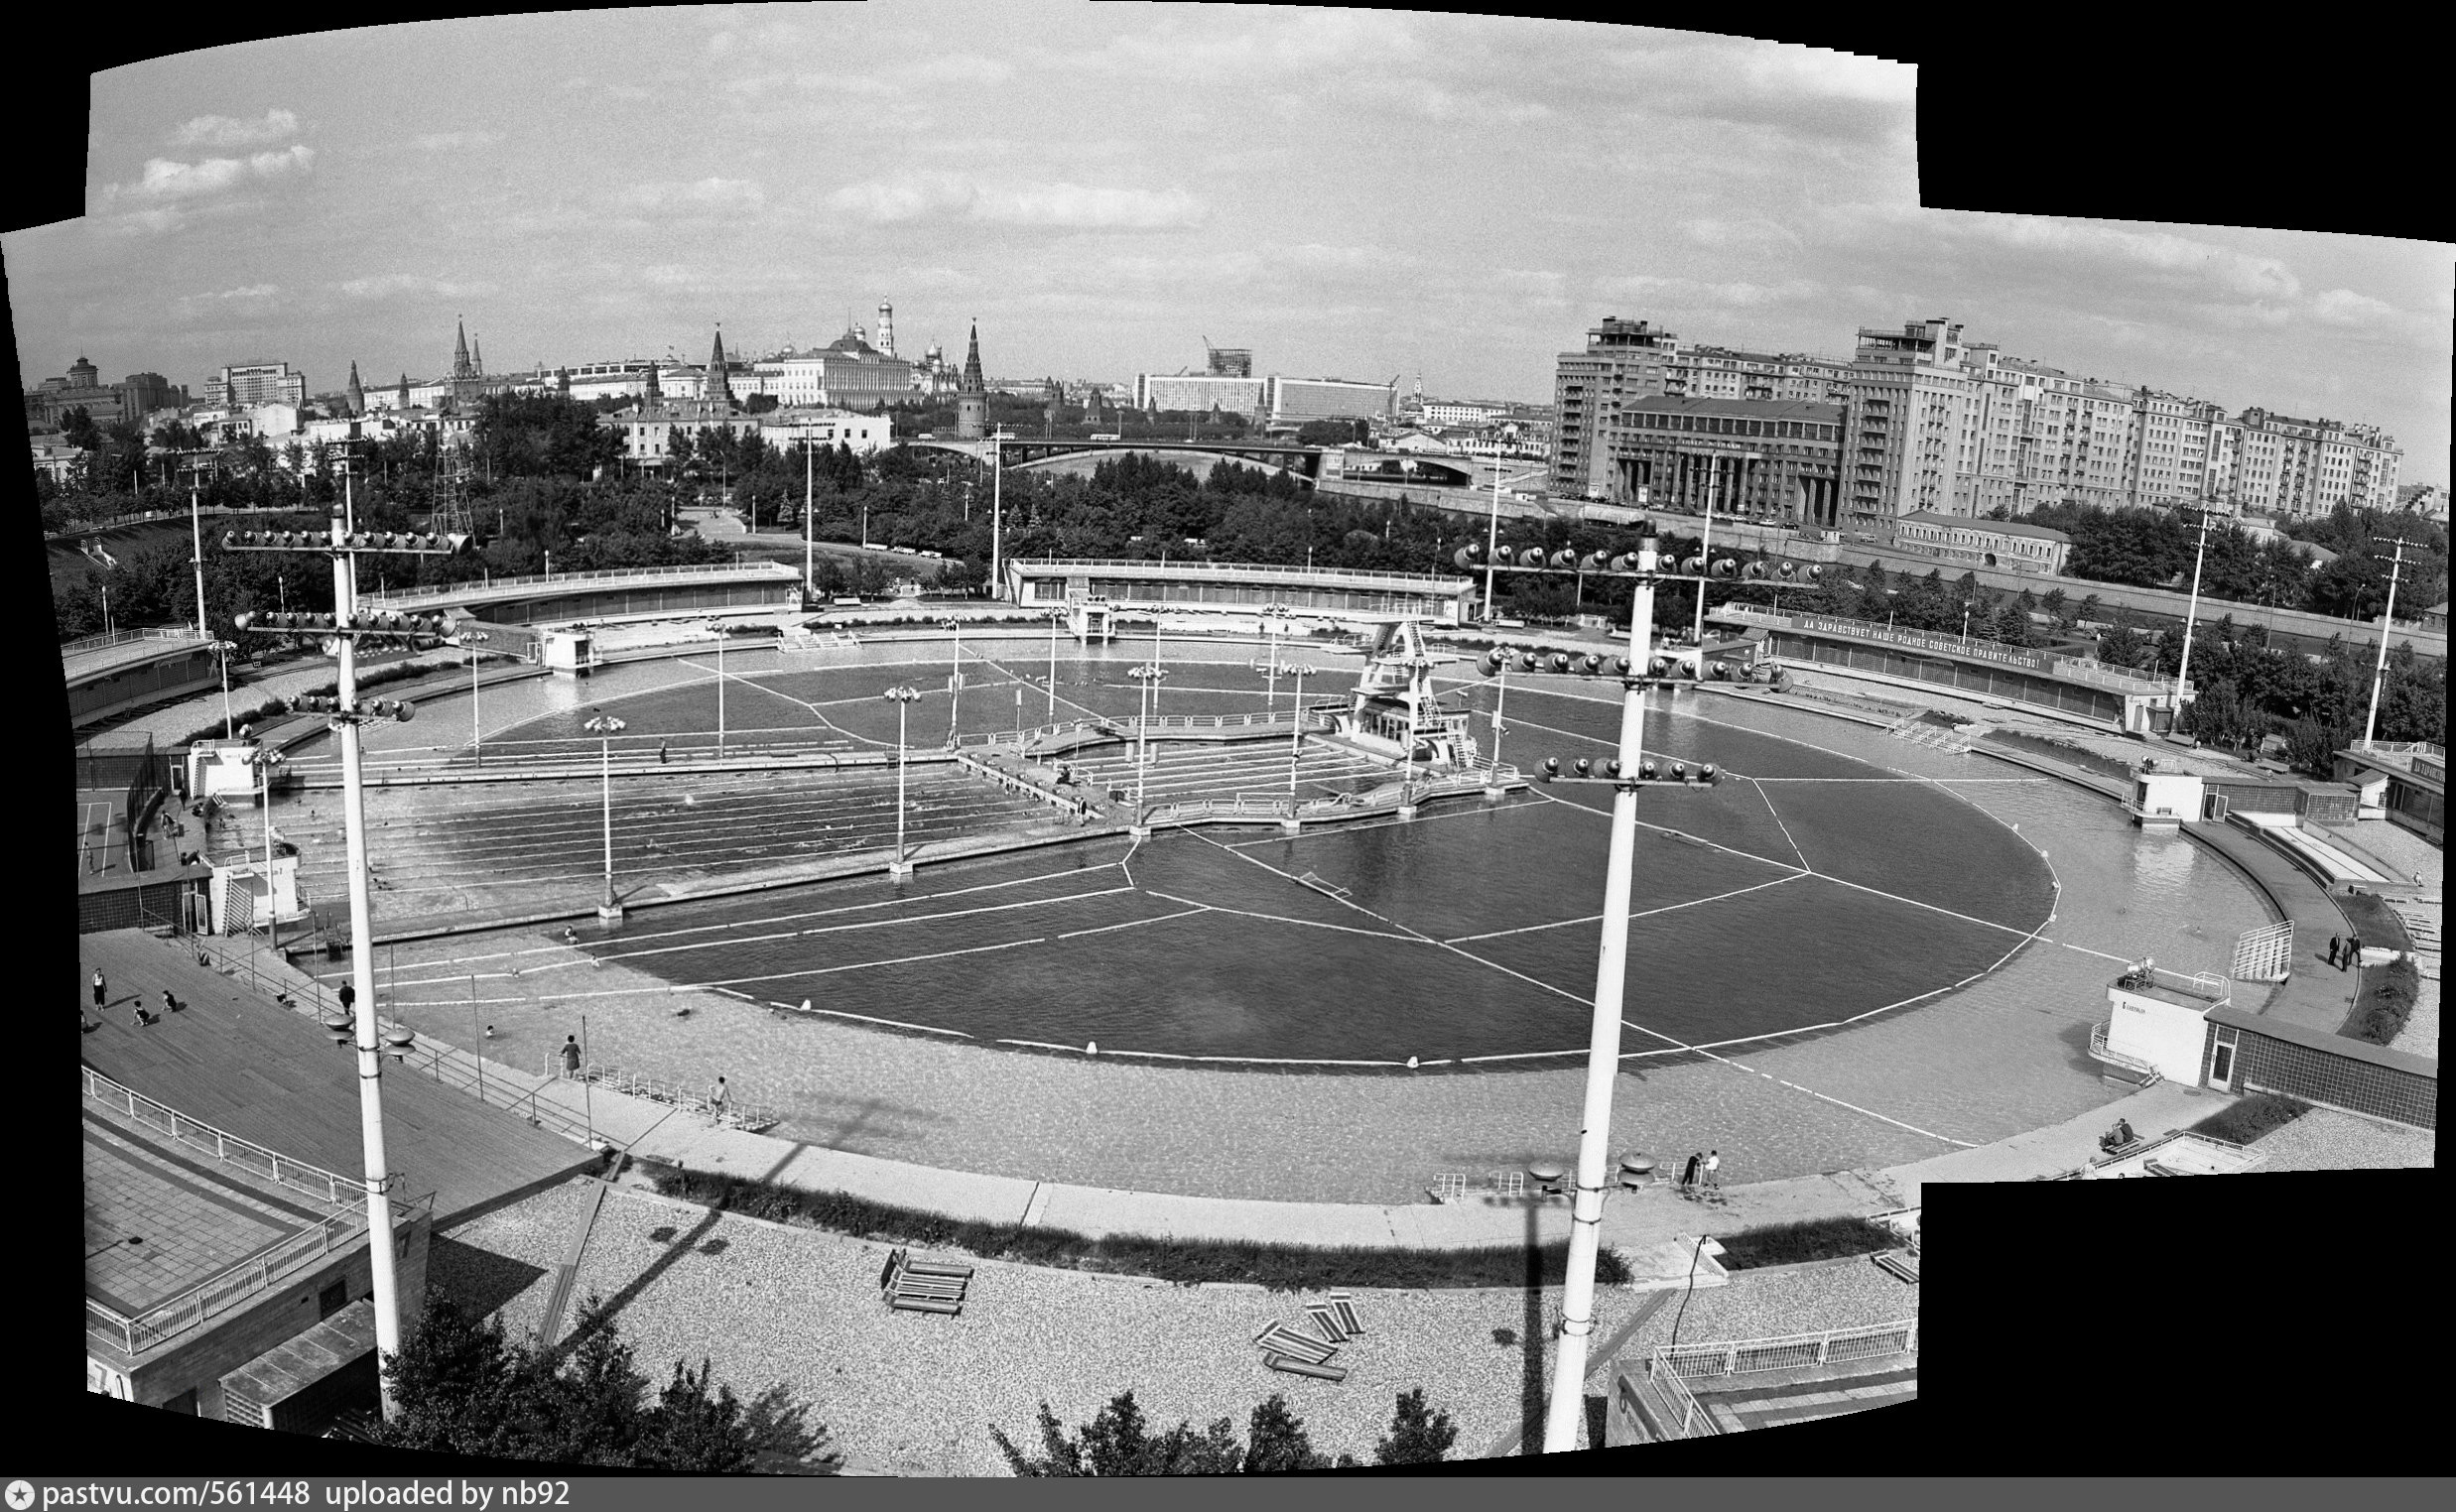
<point x="605" y="727"/>
<point x="471" y="638"/>
<point x="997" y="506"/>
<point x="903" y="698"/>
<point x="2191" y="617"/>
<point x="955" y="676"/>
<point x="1150" y="674"/>
<point x="1296" y="735"/>
<point x="1491" y="545"/>
<point x="266" y="761"/>
<point x="221" y="653"/>
<point x="1057" y="617"/>
<point x="2387" y="619"/>
<point x="1500" y="700"/>
<point x="340" y="633"/>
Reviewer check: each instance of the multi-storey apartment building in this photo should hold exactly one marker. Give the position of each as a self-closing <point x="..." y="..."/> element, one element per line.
<point x="1937" y="424"/>
<point x="1623" y="361"/>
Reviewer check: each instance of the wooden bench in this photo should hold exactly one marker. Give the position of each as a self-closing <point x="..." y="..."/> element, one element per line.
<point x="1326" y="1323"/>
<point x="1279" y="1338"/>
<point x="1899" y="1264"/>
<point x="1305" y="1367"/>
<point x="1345" y="1307"/>
<point x="925" y="1286"/>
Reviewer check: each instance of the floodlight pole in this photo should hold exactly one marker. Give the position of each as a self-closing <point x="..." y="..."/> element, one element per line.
<point x="997" y="512"/>
<point x="1705" y="570"/>
<point x="1491" y="545"/>
<point x="196" y="529"/>
<point x="810" y="578"/>
<point x="1054" y="617"/>
<point x="1567" y="1406"/>
<point x="2387" y="619"/>
<point x="2191" y="617"/>
<point x="362" y="959"/>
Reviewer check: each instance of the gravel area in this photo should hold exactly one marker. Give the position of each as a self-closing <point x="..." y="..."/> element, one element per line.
<point x="2327" y="1140"/>
<point x="917" y="1393"/>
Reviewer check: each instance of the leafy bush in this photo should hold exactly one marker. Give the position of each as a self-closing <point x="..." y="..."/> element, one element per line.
<point x="2247" y="1120"/>
<point x="2373" y="921"/>
<point x="2387" y="996"/>
<point x="1814" y="1239"/>
<point x="1281" y="1267"/>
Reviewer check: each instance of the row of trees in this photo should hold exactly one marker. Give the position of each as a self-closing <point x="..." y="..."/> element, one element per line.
<point x="2148" y="548"/>
<point x="1118" y="1442"/>
<point x="461" y="1387"/>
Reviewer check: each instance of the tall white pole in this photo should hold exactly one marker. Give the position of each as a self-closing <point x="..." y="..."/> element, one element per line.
<point x="1296" y="731"/>
<point x="362" y="975"/>
<point x="810" y="579"/>
<point x="2379" y="673"/>
<point x="1500" y="700"/>
<point x="2191" y="617"/>
<point x="1568" y="1404"/>
<point x="1705" y="558"/>
<point x="196" y="529"/>
<point x="901" y="704"/>
<point x="997" y="512"/>
<point x="272" y="914"/>
<point x="228" y="730"/>
<point x="1053" y="669"/>
<point x="720" y="689"/>
<point x="605" y="789"/>
<point x="477" y="733"/>
<point x="1491" y="543"/>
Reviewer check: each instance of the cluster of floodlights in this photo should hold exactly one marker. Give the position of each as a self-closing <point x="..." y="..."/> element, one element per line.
<point x="401" y="709"/>
<point x="352" y="540"/>
<point x="1534" y="558"/>
<point x="1703" y="773"/>
<point x="388" y="622"/>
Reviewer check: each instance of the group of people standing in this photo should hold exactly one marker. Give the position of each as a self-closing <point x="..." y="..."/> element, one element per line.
<point x="1702" y="1175"/>
<point x="2344" y="951"/>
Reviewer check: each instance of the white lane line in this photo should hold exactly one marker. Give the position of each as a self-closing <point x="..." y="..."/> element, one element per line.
<point x="1135" y="923"/>
<point x="1311" y="924"/>
<point x="1788" y="837"/>
<point x="833" y="929"/>
<point x="677" y="988"/>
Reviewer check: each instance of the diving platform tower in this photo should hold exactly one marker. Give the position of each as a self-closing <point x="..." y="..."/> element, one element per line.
<point x="1393" y="714"/>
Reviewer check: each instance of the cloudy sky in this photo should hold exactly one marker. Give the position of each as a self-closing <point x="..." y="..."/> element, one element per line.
<point x="1349" y="193"/>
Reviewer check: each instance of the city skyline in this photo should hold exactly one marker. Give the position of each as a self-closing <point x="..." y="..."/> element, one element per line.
<point x="1348" y="194"/>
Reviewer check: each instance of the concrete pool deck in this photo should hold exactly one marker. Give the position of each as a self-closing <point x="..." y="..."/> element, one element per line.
<point x="1244" y="1137"/>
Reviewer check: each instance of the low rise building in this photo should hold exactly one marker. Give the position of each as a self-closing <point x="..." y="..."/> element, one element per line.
<point x="1983" y="542"/>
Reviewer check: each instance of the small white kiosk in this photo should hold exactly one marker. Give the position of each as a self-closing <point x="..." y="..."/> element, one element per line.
<point x="2159" y="1026"/>
<point x="2164" y="800"/>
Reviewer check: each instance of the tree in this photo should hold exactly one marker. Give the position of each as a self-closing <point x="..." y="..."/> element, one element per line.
<point x="461" y="1388"/>
<point x="1276" y="1441"/>
<point x="1418" y="1436"/>
<point x="1117" y="1443"/>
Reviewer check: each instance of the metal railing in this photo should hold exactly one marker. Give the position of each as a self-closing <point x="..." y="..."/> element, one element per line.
<point x="1670" y="1403"/>
<point x="298" y="1175"/>
<point x="128" y="638"/>
<point x="1789" y="1351"/>
<point x="672" y="1093"/>
<point x="701" y="572"/>
<point x="2202" y="985"/>
<point x="1208" y="569"/>
<point x="146" y="1330"/>
<point x="2098" y="1051"/>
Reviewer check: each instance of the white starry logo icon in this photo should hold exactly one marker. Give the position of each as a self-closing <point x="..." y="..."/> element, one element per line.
<point x="21" y="1496"/>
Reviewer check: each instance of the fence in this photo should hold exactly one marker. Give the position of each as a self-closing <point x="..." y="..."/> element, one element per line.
<point x="149" y="1328"/>
<point x="1790" y="1351"/>
<point x="1658" y="1395"/>
<point x="143" y="784"/>
<point x="611" y="577"/>
<point x="453" y="1067"/>
<point x="2264" y="955"/>
<point x="247" y="1155"/>
<point x="1076" y="808"/>
<point x="127" y="638"/>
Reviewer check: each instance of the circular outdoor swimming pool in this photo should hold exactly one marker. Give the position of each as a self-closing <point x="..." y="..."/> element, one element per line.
<point x="1807" y="890"/>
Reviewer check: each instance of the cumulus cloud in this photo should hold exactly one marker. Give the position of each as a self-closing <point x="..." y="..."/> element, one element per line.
<point x="1696" y="293"/>
<point x="228" y="131"/>
<point x="166" y="179"/>
<point x="1731" y="235"/>
<point x="394" y="284"/>
<point x="2343" y="307"/>
<point x="703" y="193"/>
<point x="1796" y="92"/>
<point x="920" y="196"/>
<point x="447" y="141"/>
